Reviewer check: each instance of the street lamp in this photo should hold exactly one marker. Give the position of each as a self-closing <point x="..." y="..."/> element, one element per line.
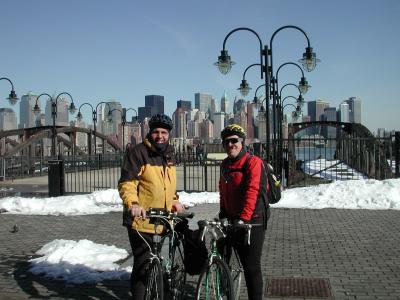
<point x="12" y="98"/>
<point x="94" y="119"/>
<point x="225" y="64"/>
<point x="303" y="83"/>
<point x="123" y="121"/>
<point x="297" y="109"/>
<point x="71" y="109"/>
<point x="244" y="86"/>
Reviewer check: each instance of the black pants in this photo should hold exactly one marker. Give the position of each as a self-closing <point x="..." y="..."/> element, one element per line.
<point x="141" y="256"/>
<point x="250" y="258"/>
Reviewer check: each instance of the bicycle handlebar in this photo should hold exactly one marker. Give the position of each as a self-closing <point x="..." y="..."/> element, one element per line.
<point x="162" y="213"/>
<point x="222" y="225"/>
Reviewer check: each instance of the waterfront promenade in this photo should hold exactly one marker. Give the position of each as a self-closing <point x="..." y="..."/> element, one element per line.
<point x="325" y="254"/>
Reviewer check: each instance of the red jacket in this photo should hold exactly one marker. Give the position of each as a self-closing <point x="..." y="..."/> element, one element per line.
<point x="242" y="187"/>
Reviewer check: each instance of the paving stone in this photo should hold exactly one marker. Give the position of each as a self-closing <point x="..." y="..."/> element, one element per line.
<point x="347" y="247"/>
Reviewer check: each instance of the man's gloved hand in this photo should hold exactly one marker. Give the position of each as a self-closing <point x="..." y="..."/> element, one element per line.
<point x="238" y="222"/>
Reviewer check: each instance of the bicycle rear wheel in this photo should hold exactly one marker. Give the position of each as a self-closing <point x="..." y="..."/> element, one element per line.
<point x="154" y="284"/>
<point x="215" y="282"/>
<point x="178" y="273"/>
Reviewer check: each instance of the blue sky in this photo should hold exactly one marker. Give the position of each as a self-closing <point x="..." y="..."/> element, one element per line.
<point x="123" y="50"/>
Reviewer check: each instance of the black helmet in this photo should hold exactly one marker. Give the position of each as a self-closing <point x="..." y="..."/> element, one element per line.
<point x="160" y="121"/>
<point x="233" y="129"/>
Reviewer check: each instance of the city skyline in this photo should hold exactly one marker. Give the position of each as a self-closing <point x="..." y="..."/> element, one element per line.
<point x="146" y="49"/>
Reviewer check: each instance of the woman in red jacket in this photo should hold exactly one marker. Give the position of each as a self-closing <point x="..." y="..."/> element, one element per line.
<point x="243" y="199"/>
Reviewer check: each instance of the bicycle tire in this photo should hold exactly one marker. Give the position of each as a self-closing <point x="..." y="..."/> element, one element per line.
<point x="215" y="282"/>
<point x="236" y="273"/>
<point x="178" y="272"/>
<point x="154" y="284"/>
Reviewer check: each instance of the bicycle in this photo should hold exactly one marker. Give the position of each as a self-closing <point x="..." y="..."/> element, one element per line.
<point x="215" y="281"/>
<point x="166" y="275"/>
<point x="229" y="257"/>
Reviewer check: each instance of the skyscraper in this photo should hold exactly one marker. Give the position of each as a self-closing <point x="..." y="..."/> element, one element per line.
<point x="202" y="102"/>
<point x="344" y="112"/>
<point x="156" y="102"/>
<point x="354" y="109"/>
<point x="184" y="104"/>
<point x="316" y="109"/>
<point x="8" y="119"/>
<point x="224" y="103"/>
<point x="179" y="120"/>
<point x="26" y="116"/>
<point x="116" y="117"/>
<point x="316" y="112"/>
<point x="62" y="117"/>
<point x="219" y="123"/>
<point x="330" y="115"/>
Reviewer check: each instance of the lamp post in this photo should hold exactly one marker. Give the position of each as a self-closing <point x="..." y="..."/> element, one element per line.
<point x="244" y="86"/>
<point x="12" y="98"/>
<point x="225" y="64"/>
<point x="94" y="118"/>
<point x="123" y="121"/>
<point x="71" y="110"/>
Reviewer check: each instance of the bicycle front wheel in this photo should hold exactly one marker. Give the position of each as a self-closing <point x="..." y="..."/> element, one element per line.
<point x="178" y="273"/>
<point x="236" y="274"/>
<point x="154" y="284"/>
<point x="215" y="282"/>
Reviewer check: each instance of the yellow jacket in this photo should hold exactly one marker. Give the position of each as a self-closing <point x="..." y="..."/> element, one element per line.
<point x="148" y="178"/>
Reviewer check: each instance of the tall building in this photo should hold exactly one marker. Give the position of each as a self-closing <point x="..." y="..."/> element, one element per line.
<point x="26" y="116"/>
<point x="144" y="112"/>
<point x="8" y="119"/>
<point x="316" y="109"/>
<point x="202" y="102"/>
<point x="184" y="104"/>
<point x="112" y="127"/>
<point x="193" y="128"/>
<point x="344" y="112"/>
<point x="354" y="109"/>
<point x="250" y="121"/>
<point x="224" y="103"/>
<point x="81" y="137"/>
<point x="156" y="102"/>
<point x="62" y="117"/>
<point x="179" y="120"/>
<point x="219" y="122"/>
<point x="330" y="115"/>
<point x="207" y="131"/>
<point x="133" y="133"/>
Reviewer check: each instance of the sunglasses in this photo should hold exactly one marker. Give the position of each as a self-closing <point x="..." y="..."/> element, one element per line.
<point x="232" y="141"/>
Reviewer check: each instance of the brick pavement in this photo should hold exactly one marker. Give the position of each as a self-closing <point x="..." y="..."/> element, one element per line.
<point x="358" y="251"/>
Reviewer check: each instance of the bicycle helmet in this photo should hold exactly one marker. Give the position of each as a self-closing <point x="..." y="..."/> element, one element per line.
<point x="233" y="129"/>
<point x="160" y="121"/>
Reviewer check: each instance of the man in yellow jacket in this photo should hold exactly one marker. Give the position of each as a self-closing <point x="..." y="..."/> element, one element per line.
<point x="148" y="179"/>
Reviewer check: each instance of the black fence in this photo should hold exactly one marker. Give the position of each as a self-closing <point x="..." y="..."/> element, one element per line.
<point x="305" y="162"/>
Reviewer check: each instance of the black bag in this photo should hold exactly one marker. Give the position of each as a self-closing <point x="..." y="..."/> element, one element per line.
<point x="274" y="185"/>
<point x="195" y="252"/>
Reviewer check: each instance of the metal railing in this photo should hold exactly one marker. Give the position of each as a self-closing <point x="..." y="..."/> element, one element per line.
<point x="305" y="161"/>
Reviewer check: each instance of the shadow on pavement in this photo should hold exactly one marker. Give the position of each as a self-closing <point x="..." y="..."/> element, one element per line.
<point x="40" y="287"/>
